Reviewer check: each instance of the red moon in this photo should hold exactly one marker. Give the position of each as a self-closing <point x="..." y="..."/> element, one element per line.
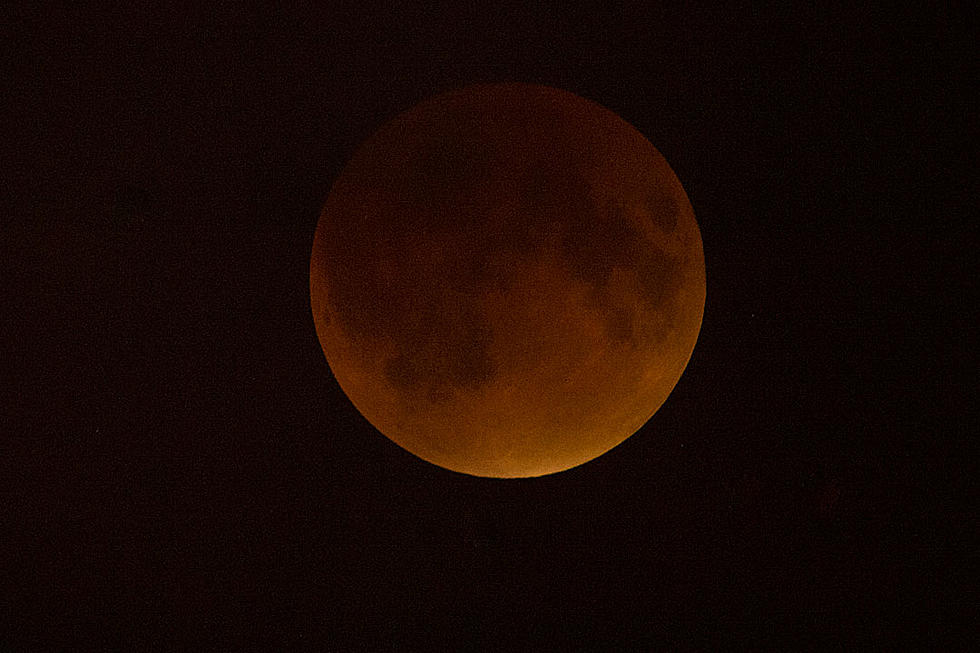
<point x="507" y="280"/>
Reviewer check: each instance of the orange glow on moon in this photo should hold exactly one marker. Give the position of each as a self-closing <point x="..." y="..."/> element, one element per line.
<point x="507" y="280"/>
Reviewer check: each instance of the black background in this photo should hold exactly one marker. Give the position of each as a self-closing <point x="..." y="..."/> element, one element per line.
<point x="182" y="469"/>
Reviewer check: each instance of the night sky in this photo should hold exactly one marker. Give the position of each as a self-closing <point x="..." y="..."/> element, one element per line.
<point x="181" y="468"/>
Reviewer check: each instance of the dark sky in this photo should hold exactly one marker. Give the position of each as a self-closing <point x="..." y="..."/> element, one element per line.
<point x="182" y="468"/>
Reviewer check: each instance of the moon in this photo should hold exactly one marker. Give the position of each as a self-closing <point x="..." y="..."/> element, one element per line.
<point x="507" y="280"/>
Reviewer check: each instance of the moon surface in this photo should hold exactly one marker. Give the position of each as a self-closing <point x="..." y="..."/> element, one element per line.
<point x="507" y="280"/>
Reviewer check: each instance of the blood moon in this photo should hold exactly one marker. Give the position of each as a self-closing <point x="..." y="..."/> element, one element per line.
<point x="507" y="280"/>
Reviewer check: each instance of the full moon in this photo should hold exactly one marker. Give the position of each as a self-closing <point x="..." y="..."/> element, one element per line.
<point x="507" y="280"/>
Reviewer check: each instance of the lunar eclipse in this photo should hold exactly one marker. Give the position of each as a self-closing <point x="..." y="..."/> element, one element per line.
<point x="507" y="280"/>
